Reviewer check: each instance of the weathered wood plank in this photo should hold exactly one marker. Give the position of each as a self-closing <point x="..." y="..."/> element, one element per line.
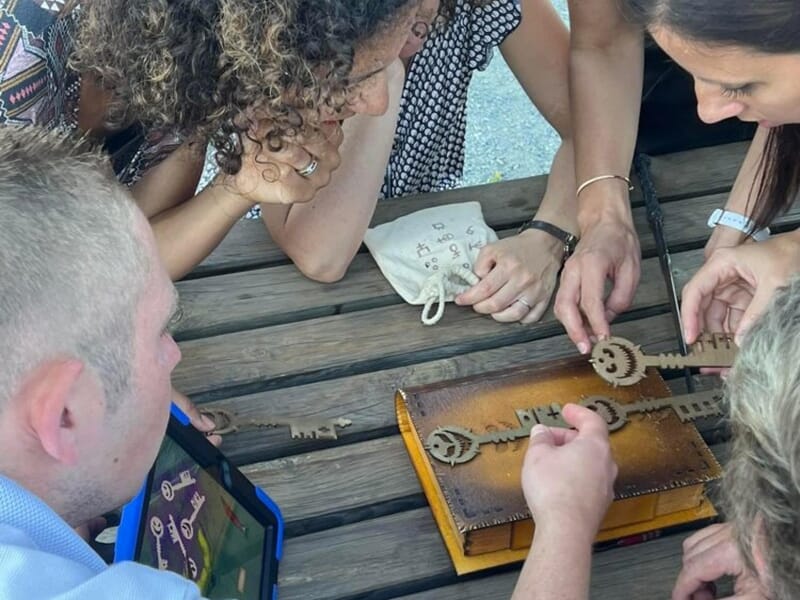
<point x="366" y="399"/>
<point x="387" y="552"/>
<point x="279" y="294"/>
<point x="337" y="480"/>
<point x="380" y="338"/>
<point x="402" y="553"/>
<point x="692" y="173"/>
<point x="326" y="488"/>
<point x="615" y="576"/>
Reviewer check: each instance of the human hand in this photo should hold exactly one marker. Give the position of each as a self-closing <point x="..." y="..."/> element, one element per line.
<point x="568" y="475"/>
<point x="708" y="555"/>
<point x="522" y="267"/>
<point x="273" y="176"/>
<point x="201" y="422"/>
<point x="724" y="237"/>
<point x="735" y="285"/>
<point x="608" y="249"/>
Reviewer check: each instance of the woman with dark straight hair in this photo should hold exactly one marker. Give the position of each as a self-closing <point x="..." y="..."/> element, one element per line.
<point x="745" y="60"/>
<point x="769" y="29"/>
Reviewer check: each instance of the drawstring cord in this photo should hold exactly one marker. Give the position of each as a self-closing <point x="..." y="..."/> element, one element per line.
<point x="441" y="284"/>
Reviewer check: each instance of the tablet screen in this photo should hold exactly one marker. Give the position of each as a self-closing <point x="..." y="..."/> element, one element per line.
<point x="194" y="527"/>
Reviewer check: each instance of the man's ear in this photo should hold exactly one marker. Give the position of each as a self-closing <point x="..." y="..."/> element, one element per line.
<point x="47" y="395"/>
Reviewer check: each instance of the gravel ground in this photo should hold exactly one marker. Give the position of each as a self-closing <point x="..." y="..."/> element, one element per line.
<point x="511" y="143"/>
<point x="507" y="138"/>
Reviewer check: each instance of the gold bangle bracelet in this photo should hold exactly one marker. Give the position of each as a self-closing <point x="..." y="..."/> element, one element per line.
<point x="589" y="182"/>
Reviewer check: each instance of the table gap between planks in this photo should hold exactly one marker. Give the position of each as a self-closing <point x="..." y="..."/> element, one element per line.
<point x="261" y="340"/>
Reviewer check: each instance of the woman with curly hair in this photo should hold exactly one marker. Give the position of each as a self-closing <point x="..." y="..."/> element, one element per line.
<point x="418" y="146"/>
<point x="265" y="81"/>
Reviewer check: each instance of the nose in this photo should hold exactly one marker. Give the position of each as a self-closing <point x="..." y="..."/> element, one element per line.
<point x="373" y="99"/>
<point x="712" y="106"/>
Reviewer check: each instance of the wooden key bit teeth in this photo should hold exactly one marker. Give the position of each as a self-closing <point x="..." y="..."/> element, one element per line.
<point x="621" y="362"/>
<point x="311" y="428"/>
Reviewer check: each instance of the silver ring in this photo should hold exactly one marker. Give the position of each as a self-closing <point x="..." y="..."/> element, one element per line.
<point x="524" y="303"/>
<point x="309" y="168"/>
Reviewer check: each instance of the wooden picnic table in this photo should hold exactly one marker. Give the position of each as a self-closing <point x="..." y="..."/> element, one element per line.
<point x="260" y="339"/>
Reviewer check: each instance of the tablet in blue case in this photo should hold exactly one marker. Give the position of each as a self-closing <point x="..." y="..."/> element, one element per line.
<point x="197" y="515"/>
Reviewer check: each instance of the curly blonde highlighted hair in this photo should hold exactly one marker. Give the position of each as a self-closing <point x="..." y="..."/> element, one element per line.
<point x="207" y="68"/>
<point x="762" y="480"/>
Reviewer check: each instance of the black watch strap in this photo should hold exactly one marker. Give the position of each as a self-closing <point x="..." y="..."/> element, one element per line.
<point x="565" y="237"/>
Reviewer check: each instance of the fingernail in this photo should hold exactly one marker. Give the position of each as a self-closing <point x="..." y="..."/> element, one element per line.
<point x="538" y="429"/>
<point x="208" y="422"/>
<point x="583" y="348"/>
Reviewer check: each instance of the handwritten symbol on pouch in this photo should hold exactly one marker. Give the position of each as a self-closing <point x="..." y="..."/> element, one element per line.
<point x="423" y="250"/>
<point x="454" y="249"/>
<point x="438" y="226"/>
<point x="470" y="230"/>
<point x="432" y="264"/>
<point x="475" y="245"/>
<point x="446" y="238"/>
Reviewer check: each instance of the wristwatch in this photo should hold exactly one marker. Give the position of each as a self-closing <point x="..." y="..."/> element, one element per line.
<point x="738" y="222"/>
<point x="565" y="237"/>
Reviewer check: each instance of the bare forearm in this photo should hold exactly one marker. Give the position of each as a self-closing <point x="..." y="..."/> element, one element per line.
<point x="537" y="52"/>
<point x="187" y="233"/>
<point x="323" y="236"/>
<point x="606" y="66"/>
<point x="558" y="567"/>
<point x="559" y="205"/>
<point x="171" y="182"/>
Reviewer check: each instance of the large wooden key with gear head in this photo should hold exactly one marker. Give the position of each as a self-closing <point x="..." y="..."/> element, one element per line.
<point x="454" y="445"/>
<point x="687" y="407"/>
<point x="621" y="362"/>
<point x="226" y="421"/>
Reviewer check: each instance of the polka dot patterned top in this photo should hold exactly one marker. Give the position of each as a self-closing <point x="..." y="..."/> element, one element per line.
<point x="428" y="150"/>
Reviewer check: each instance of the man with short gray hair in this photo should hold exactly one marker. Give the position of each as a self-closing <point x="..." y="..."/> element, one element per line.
<point x="85" y="369"/>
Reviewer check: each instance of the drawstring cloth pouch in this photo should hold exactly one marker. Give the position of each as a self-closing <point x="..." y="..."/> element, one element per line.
<point x="428" y="256"/>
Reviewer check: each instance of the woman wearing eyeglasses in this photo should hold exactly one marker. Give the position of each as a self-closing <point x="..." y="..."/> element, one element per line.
<point x="418" y="146"/>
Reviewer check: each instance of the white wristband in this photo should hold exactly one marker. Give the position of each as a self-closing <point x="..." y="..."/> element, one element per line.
<point x="736" y="221"/>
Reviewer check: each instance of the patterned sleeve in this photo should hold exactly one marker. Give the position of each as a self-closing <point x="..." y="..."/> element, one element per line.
<point x="486" y="27"/>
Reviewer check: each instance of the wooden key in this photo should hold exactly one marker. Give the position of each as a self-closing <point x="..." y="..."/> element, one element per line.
<point x="688" y="407"/>
<point x="226" y="422"/>
<point x="621" y="362"/>
<point x="456" y="445"/>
